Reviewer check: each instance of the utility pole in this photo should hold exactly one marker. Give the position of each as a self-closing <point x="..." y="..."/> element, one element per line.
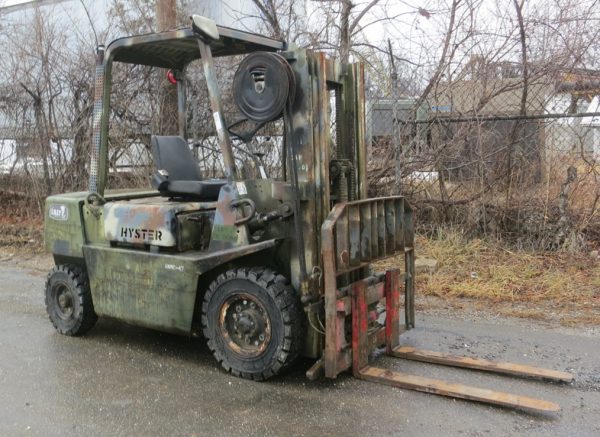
<point x="166" y="18"/>
<point x="166" y="14"/>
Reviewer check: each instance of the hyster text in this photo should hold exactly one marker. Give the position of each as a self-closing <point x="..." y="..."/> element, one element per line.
<point x="143" y="234"/>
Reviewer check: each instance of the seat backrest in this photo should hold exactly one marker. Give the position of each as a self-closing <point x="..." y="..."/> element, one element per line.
<point x="172" y="154"/>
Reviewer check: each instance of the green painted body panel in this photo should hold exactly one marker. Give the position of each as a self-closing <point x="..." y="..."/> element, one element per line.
<point x="93" y="225"/>
<point x="83" y="224"/>
<point x="63" y="232"/>
<point x="139" y="282"/>
<point x="143" y="288"/>
<point x="155" y="290"/>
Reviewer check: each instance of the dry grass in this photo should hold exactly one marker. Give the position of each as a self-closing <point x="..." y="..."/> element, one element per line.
<point x="529" y="313"/>
<point x="21" y="226"/>
<point x="541" y="286"/>
<point x="476" y="269"/>
<point x="588" y="319"/>
<point x="24" y="237"/>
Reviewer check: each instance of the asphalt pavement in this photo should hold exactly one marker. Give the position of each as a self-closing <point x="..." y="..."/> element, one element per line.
<point x="128" y="381"/>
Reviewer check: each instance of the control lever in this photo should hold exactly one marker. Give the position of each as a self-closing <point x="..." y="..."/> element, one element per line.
<point x="284" y="210"/>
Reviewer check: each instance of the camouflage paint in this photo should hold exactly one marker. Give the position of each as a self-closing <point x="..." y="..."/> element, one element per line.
<point x="267" y="196"/>
<point x="150" y="221"/>
<point x="64" y="236"/>
<point x="225" y="234"/>
<point x="82" y="224"/>
<point x="143" y="282"/>
<point x="155" y="290"/>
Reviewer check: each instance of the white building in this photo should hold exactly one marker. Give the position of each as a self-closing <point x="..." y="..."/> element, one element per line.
<point x="231" y="13"/>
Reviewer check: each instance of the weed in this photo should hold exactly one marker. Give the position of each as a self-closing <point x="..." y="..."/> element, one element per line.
<point x="531" y="281"/>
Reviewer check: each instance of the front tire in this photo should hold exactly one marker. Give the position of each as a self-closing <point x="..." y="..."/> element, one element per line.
<point x="69" y="300"/>
<point x="252" y="319"/>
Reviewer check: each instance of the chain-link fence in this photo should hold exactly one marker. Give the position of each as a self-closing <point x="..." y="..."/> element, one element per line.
<point x="512" y="161"/>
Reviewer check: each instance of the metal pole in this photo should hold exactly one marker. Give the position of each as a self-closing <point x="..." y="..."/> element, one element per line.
<point x="181" y="103"/>
<point x="97" y="124"/>
<point x="217" y="109"/>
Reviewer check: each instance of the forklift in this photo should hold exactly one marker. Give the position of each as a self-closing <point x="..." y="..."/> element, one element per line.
<point x="266" y="268"/>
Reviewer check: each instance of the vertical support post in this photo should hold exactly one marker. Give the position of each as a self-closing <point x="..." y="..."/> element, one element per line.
<point x="217" y="109"/>
<point x="360" y="130"/>
<point x="409" y="288"/>
<point x="360" y="339"/>
<point x="95" y="150"/>
<point x="409" y="260"/>
<point x="181" y="103"/>
<point x="392" y="310"/>
<point x="321" y="162"/>
<point x="99" y="151"/>
<point x="329" y="290"/>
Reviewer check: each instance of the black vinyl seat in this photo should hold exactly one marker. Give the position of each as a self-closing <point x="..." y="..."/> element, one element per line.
<point x="177" y="172"/>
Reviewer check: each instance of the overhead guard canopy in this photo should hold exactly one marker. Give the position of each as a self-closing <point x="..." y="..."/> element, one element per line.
<point x="176" y="48"/>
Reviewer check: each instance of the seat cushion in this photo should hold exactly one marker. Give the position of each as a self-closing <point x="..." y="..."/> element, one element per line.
<point x="207" y="189"/>
<point x="177" y="172"/>
<point x="173" y="155"/>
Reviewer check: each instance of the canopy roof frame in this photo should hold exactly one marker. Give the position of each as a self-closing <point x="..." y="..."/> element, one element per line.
<point x="173" y="49"/>
<point x="177" y="48"/>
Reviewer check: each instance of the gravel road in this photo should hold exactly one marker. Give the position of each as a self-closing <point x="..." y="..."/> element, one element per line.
<point x="123" y="380"/>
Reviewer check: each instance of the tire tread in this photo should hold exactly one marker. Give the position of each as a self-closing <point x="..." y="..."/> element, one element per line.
<point x="79" y="279"/>
<point x="287" y="301"/>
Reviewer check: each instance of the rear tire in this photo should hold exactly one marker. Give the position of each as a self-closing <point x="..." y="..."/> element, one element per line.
<point x="69" y="300"/>
<point x="253" y="321"/>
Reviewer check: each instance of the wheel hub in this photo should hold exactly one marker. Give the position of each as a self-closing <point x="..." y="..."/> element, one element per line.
<point x="245" y="325"/>
<point x="64" y="300"/>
